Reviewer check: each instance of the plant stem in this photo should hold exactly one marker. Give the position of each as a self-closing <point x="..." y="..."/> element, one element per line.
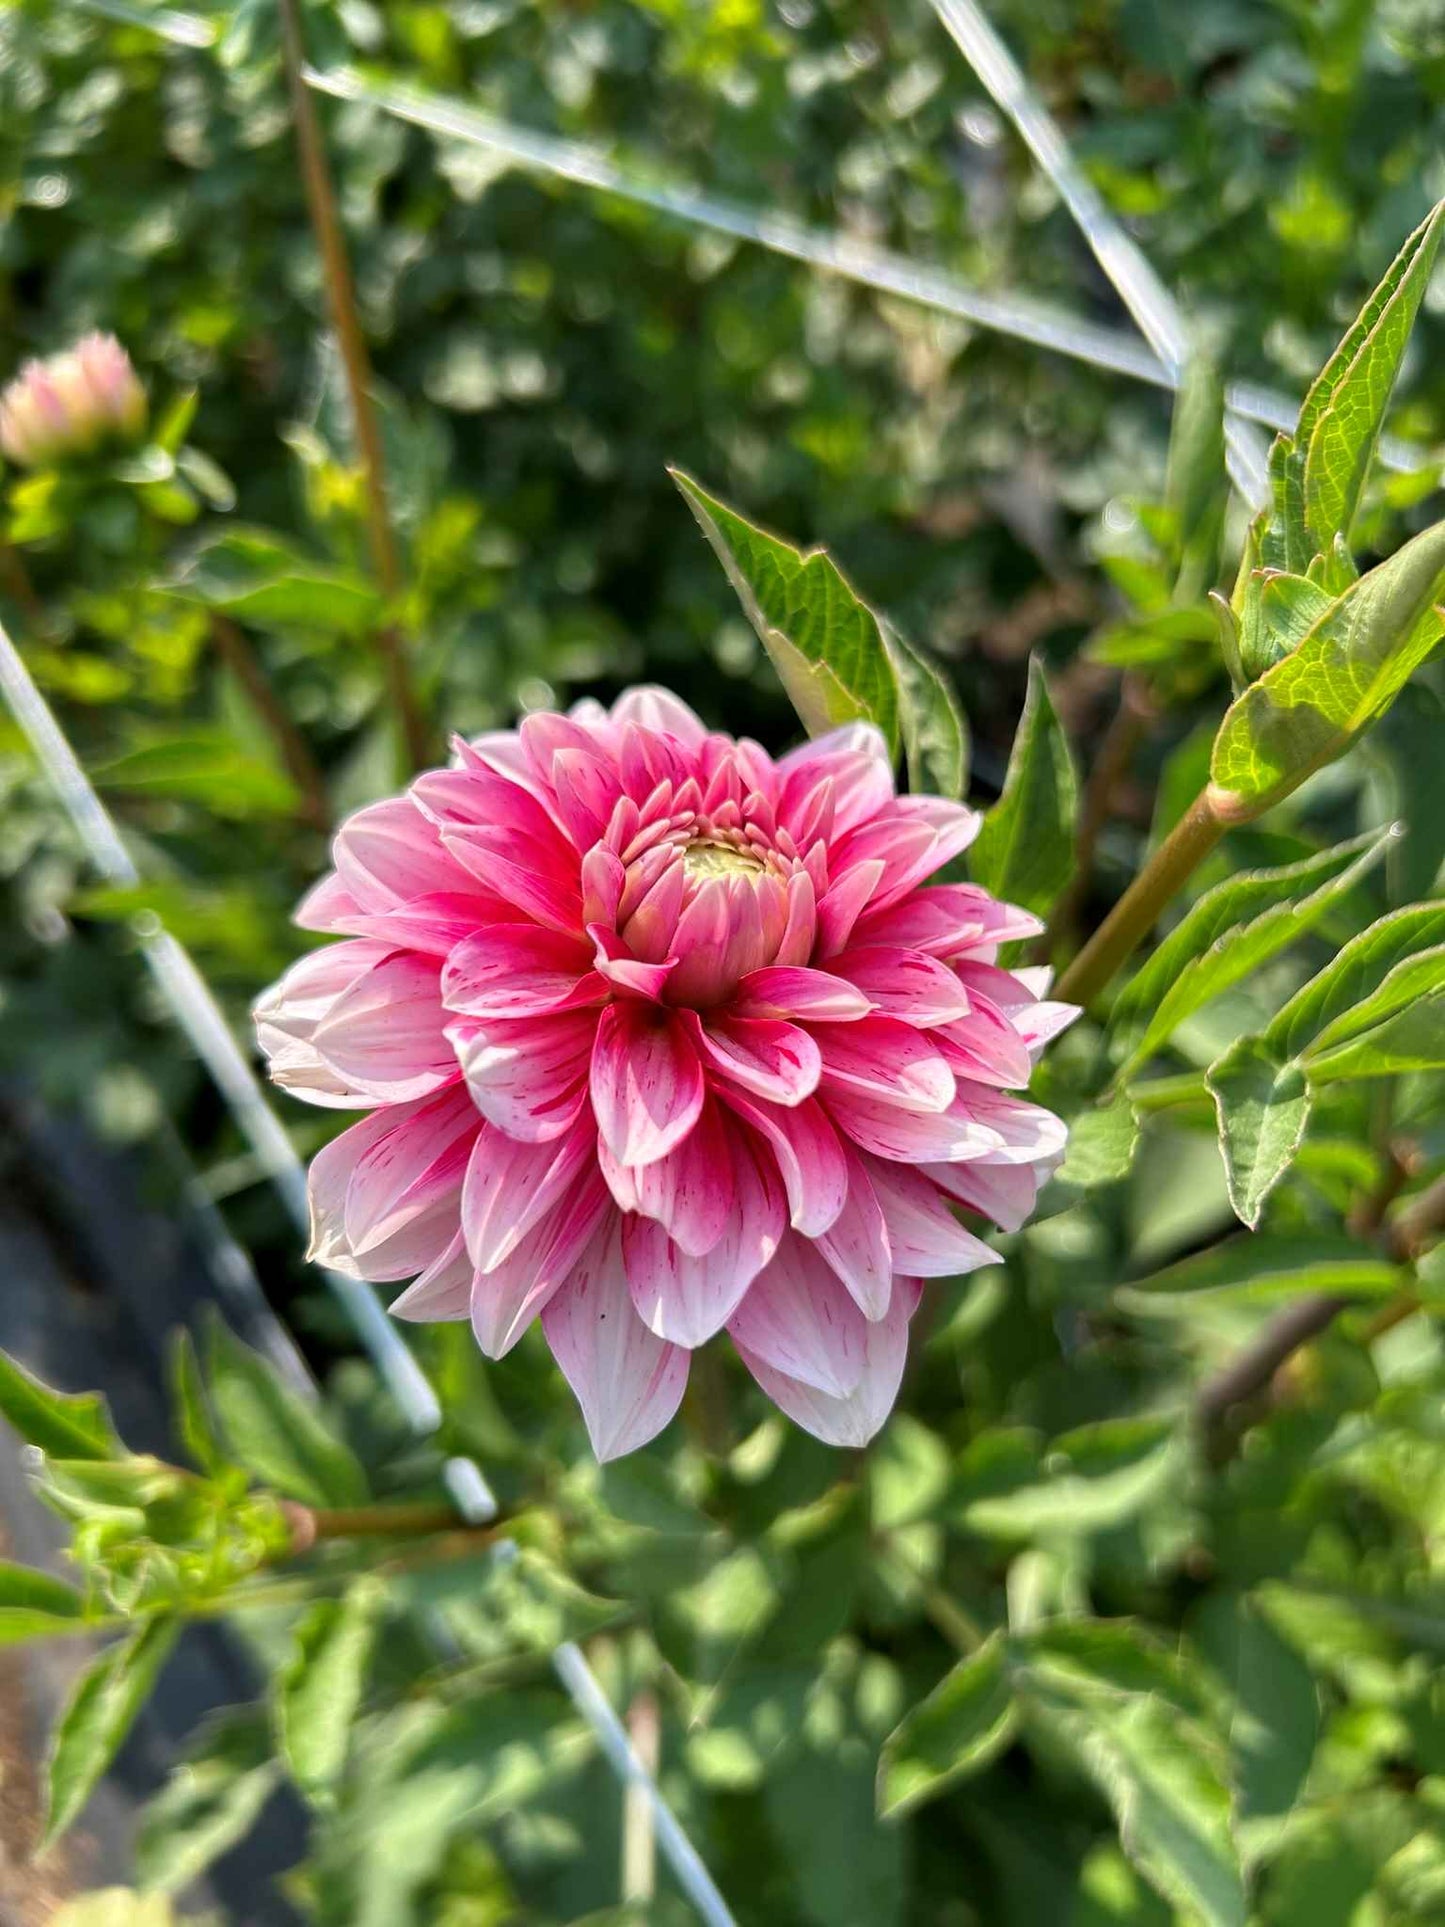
<point x="311" y="1524"/>
<point x="639" y="1843"/>
<point x="1137" y="911"/>
<point x="1122" y="738"/>
<point x="1253" y="1370"/>
<point x="16" y="578"/>
<point x="234" y="648"/>
<point x="345" y="318"/>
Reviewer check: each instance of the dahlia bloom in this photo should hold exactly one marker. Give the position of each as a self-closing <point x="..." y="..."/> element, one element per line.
<point x="72" y="404"/>
<point x="658" y="1037"/>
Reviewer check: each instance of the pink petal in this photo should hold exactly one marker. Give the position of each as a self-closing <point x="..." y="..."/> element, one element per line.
<point x="390" y="852"/>
<point x="985" y="1046"/>
<point x="505" y="1299"/>
<point x="385" y="1033"/>
<point x="525" y="872"/>
<point x="1004" y="1192"/>
<point x="907" y="984"/>
<point x="809" y="1156"/>
<point x="842" y="904"/>
<point x="327" y="905"/>
<point x="882" y="1059"/>
<point x="417" y="1240"/>
<point x="511" y="1184"/>
<point x="628" y="1382"/>
<point x="287" y="1016"/>
<point x="854" y="760"/>
<point x="1027" y="1133"/>
<point x="647" y="1082"/>
<point x="924" y="1236"/>
<point x="854" y="1419"/>
<point x="530" y="1077"/>
<point x="400" y="1178"/>
<point x="519" y="970"/>
<point x="443" y="1291"/>
<point x="612" y="959"/>
<point x="797" y="1319"/>
<point x="692" y="1192"/>
<point x="435" y="924"/>
<point x="913" y="1137"/>
<point x="856" y="1243"/>
<point x="686" y="1299"/>
<point x="651" y="708"/>
<point x="764" y="1055"/>
<point x="815" y="996"/>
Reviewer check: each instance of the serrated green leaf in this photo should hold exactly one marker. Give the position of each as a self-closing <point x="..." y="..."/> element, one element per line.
<point x="211" y="1801"/>
<point x="965" y="1722"/>
<point x="319" y="1690"/>
<point x="100" y="1712"/>
<point x="1265" y="1268"/>
<point x="1232" y="930"/>
<point x="1263" y="1106"/>
<point x="1310" y="707"/>
<point x="1344" y="411"/>
<point x="1161" y="1768"/>
<point x="68" y="1425"/>
<point x="32" y="1604"/>
<point x="280" y="1437"/>
<point x="1025" y="851"/>
<point x="1412" y="1040"/>
<point x="1354" y="978"/>
<point x="824" y="641"/>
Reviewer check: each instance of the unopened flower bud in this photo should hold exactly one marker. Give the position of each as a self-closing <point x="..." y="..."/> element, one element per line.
<point x="72" y="405"/>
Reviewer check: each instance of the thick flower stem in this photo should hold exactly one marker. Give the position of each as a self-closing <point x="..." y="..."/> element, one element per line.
<point x="1137" y="911"/>
<point x="345" y="318"/>
<point x="234" y="649"/>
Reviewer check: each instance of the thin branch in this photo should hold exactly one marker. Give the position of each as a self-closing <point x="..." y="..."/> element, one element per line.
<point x="346" y="320"/>
<point x="234" y="649"/>
<point x="1126" y="731"/>
<point x="639" y="1835"/>
<point x="310" y="1525"/>
<point x="1137" y="911"/>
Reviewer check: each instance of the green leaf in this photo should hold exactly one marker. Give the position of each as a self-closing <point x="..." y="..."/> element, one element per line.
<point x="211" y="1801"/>
<point x="279" y="1436"/>
<point x="825" y="643"/>
<point x="33" y="1604"/>
<point x="1102" y="1143"/>
<point x="319" y="1690"/>
<point x="1025" y="851"/>
<point x="965" y="1722"/>
<point x="1412" y="1040"/>
<point x="1263" y="1106"/>
<point x="1276" y="1718"/>
<point x="206" y="767"/>
<point x="1265" y="1268"/>
<point x="1195" y="482"/>
<point x="1093" y="1479"/>
<point x="1233" y="929"/>
<point x="1343" y="413"/>
<point x="1278" y="613"/>
<point x="1355" y="978"/>
<point x="254" y="576"/>
<point x="194" y="1424"/>
<point x="68" y="1425"/>
<point x="1414" y="980"/>
<point x="1160" y="1768"/>
<point x="935" y="735"/>
<point x="100" y="1713"/>
<point x="1310" y="707"/>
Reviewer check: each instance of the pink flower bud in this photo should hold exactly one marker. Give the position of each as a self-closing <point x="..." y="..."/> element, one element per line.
<point x="72" y="405"/>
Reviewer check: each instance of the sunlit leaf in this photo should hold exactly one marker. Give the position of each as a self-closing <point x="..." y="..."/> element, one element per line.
<point x="100" y="1712"/>
<point x="966" y="1721"/>
<point x="1025" y="850"/>
<point x="32" y="1604"/>
<point x="68" y="1425"/>
<point x="319" y="1689"/>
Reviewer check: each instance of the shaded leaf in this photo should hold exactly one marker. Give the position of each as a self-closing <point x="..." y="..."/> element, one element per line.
<point x="100" y="1713"/>
<point x="1264" y="1268"/>
<point x="966" y="1721"/>
<point x="68" y="1425"/>
<point x="935" y="735"/>
<point x="1091" y="1479"/>
<point x="1025" y="851"/>
<point x="280" y="1437"/>
<point x="33" y="1604"/>
<point x="211" y="1801"/>
<point x="318" y="1692"/>
<point x="255" y="576"/>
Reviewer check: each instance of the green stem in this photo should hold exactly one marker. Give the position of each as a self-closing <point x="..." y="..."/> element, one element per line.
<point x="1126" y="731"/>
<point x="346" y="320"/>
<point x="240" y="658"/>
<point x="312" y="1524"/>
<point x="1137" y="911"/>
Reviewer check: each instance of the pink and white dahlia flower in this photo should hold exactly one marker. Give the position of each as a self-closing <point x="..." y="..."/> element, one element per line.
<point x="72" y="404"/>
<point x="660" y="1036"/>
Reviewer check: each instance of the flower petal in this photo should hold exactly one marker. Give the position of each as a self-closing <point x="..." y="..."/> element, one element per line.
<point x="691" y="1192"/>
<point x="889" y="1131"/>
<point x="798" y="1319"/>
<point x="809" y="1156"/>
<point x="854" y="1419"/>
<point x="385" y="1034"/>
<point x="924" y="1236"/>
<point x="814" y="996"/>
<point x="511" y="1184"/>
<point x="506" y="1299"/>
<point x="628" y="1382"/>
<point x="529" y="1077"/>
<point x="519" y="970"/>
<point x="443" y="1291"/>
<point x="765" y="1055"/>
<point x="856" y="1243"/>
<point x="906" y="984"/>
<point x="647" y="1083"/>
<point x="892" y="1063"/>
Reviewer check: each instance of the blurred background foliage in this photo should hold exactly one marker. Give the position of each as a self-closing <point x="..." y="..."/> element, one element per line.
<point x="542" y="352"/>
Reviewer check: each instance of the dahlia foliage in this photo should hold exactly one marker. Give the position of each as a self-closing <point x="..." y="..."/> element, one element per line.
<point x="660" y="1036"/>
